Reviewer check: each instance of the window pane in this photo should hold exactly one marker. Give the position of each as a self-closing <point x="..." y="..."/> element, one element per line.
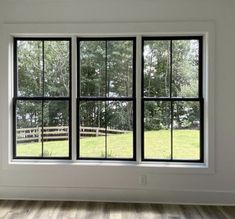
<point x="56" y="128"/>
<point x="92" y="68"/>
<point x="57" y="68"/>
<point x="119" y="68"/>
<point x="92" y="129"/>
<point x="156" y="68"/>
<point x="157" y="130"/>
<point x="186" y="134"/>
<point x="29" y="68"/>
<point x="29" y="128"/>
<point x="119" y="129"/>
<point x="185" y="68"/>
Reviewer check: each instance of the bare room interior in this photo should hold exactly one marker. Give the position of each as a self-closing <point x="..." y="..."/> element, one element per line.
<point x="117" y="109"/>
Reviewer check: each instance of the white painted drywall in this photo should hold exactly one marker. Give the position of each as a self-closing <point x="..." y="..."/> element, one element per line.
<point x="121" y="183"/>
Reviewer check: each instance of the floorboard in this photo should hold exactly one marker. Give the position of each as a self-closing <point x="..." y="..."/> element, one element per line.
<point x="100" y="210"/>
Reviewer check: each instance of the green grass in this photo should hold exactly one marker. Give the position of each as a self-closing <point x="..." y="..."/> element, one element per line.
<point x="185" y="144"/>
<point x="157" y="146"/>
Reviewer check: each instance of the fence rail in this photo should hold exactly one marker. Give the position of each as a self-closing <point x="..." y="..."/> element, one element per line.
<point x="60" y="133"/>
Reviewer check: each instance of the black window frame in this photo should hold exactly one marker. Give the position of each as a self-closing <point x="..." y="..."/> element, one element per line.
<point x="171" y="99"/>
<point x="81" y="98"/>
<point x="42" y="98"/>
<point x="199" y="99"/>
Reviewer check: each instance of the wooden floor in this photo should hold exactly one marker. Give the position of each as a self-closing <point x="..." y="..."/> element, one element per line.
<point x="90" y="210"/>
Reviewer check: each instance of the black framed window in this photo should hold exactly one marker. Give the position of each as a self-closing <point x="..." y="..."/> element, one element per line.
<point x="172" y="99"/>
<point x="106" y="98"/>
<point x="42" y="98"/>
<point x="172" y="104"/>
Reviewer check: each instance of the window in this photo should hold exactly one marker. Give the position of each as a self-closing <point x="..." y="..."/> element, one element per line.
<point x="42" y="98"/>
<point x="106" y="98"/>
<point x="172" y="100"/>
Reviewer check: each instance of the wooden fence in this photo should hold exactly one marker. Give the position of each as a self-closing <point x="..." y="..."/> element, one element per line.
<point x="60" y="133"/>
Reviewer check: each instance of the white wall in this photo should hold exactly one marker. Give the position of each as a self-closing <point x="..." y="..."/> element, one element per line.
<point x="121" y="183"/>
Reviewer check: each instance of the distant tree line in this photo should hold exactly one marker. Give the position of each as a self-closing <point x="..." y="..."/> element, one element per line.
<point x="107" y="70"/>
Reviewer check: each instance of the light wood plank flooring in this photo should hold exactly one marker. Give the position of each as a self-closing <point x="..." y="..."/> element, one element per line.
<point x="90" y="210"/>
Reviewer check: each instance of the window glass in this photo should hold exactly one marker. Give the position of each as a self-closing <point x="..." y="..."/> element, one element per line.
<point x="157" y="64"/>
<point x="29" y="68"/>
<point x="106" y="98"/>
<point x="171" y="103"/>
<point x="185" y="68"/>
<point x="42" y="98"/>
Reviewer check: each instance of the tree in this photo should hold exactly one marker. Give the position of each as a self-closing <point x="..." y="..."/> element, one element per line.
<point x="106" y="69"/>
<point x="157" y="70"/>
<point x="42" y="74"/>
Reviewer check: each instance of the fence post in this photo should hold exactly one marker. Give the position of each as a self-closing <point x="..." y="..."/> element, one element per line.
<point x="97" y="132"/>
<point x="39" y="134"/>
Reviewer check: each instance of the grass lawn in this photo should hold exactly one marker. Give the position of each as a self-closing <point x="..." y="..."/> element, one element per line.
<point x="157" y="145"/>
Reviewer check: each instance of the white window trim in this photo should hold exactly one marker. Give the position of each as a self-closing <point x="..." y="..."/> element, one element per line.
<point x="206" y="29"/>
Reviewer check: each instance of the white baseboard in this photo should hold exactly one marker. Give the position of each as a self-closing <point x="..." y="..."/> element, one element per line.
<point x="119" y="195"/>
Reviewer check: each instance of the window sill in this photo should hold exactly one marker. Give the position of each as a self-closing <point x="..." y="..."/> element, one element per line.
<point x="149" y="167"/>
